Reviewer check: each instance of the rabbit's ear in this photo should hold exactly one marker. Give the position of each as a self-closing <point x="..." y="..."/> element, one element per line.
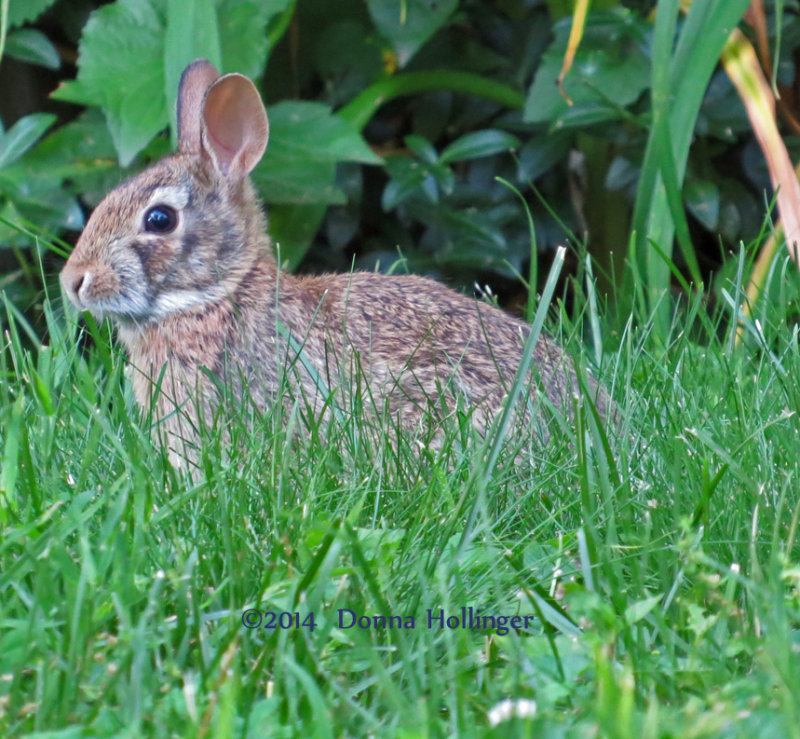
<point x="235" y="125"/>
<point x="195" y="81"/>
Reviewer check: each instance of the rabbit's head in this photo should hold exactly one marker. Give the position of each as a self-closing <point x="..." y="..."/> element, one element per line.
<point x="183" y="232"/>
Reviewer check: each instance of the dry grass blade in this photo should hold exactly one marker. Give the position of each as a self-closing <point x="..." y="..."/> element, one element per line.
<point x="741" y="64"/>
<point x="575" y="36"/>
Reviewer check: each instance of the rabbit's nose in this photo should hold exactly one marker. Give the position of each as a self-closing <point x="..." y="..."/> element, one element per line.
<point x="75" y="282"/>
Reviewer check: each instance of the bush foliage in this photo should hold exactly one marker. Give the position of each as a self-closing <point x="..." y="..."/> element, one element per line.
<point x="405" y="128"/>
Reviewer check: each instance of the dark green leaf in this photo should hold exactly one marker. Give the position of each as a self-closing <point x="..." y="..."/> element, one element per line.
<point x="132" y="53"/>
<point x="444" y="177"/>
<point x="243" y="36"/>
<point x="311" y="130"/>
<point x="80" y="151"/>
<point x="739" y="210"/>
<point x="191" y="33"/>
<point x="722" y="113"/>
<point x="621" y="173"/>
<point x="121" y="68"/>
<point x="50" y="208"/>
<point x="22" y="136"/>
<point x="422" y="148"/>
<point x="306" y="142"/>
<point x="479" y="144"/>
<point x="702" y="200"/>
<point x="587" y="114"/>
<point x="292" y="228"/>
<point x="464" y="237"/>
<point x="72" y="91"/>
<point x="282" y="178"/>
<point x="347" y="58"/>
<point x="22" y="11"/>
<point x="541" y="153"/>
<point x="409" y="24"/>
<point x="474" y="228"/>
<point x="32" y="46"/>
<point x="407" y="176"/>
<point x="430" y="189"/>
<point x="610" y="69"/>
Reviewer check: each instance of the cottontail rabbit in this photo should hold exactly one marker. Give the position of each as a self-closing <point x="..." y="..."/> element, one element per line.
<point x="179" y="257"/>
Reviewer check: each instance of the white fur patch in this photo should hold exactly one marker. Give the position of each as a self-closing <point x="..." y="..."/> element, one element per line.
<point x="177" y="197"/>
<point x="179" y="300"/>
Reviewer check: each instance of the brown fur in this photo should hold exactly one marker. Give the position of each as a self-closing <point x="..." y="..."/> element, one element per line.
<point x="210" y="295"/>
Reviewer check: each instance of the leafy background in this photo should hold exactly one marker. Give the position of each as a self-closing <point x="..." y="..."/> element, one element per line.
<point x="397" y="130"/>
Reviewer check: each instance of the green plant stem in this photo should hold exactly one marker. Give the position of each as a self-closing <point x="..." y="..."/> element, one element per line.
<point x="278" y="27"/>
<point x="607" y="214"/>
<point x="3" y="25"/>
<point x="680" y="77"/>
<point x="361" y="109"/>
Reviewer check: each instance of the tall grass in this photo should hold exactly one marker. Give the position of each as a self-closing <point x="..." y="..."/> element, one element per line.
<point x="657" y="562"/>
<point x="685" y="54"/>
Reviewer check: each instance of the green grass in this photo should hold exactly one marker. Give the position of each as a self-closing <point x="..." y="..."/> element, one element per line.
<point x="659" y="563"/>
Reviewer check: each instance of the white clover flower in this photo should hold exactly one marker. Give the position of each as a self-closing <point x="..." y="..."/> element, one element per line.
<point x="508" y="709"/>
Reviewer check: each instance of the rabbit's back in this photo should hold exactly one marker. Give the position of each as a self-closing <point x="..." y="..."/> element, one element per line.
<point x="418" y="345"/>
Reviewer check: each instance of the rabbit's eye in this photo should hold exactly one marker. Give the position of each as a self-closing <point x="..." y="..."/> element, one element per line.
<point x="160" y="219"/>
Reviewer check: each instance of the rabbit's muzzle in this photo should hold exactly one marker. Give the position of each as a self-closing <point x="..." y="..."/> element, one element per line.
<point x="88" y="285"/>
<point x="94" y="286"/>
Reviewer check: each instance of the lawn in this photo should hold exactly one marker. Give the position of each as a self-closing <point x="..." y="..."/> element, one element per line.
<point x="633" y="581"/>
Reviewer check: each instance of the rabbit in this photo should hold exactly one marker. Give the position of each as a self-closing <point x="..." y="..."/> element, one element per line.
<point x="179" y="258"/>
